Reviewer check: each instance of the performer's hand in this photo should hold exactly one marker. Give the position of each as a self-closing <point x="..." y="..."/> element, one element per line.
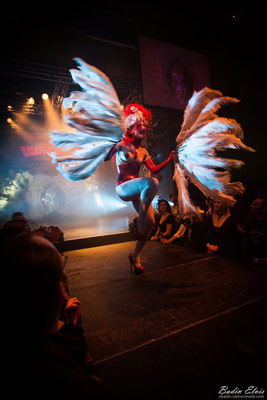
<point x="122" y="146"/>
<point x="171" y="155"/>
<point x="128" y="151"/>
<point x="119" y="146"/>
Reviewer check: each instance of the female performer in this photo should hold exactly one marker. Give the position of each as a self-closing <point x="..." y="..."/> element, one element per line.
<point x="130" y="156"/>
<point x="99" y="129"/>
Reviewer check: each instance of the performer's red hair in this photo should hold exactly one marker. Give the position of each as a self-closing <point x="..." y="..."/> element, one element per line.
<point x="135" y="113"/>
<point x="131" y="109"/>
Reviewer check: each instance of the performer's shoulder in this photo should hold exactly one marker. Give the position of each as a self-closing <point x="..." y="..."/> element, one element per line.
<point x="144" y="153"/>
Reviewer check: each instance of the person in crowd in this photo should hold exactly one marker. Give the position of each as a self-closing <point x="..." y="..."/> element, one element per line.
<point x="166" y="223"/>
<point x="16" y="225"/>
<point x="48" y="357"/>
<point x="197" y="227"/>
<point x="174" y="206"/>
<point x="18" y="216"/>
<point x="222" y="235"/>
<point x="253" y="227"/>
<point x="179" y="237"/>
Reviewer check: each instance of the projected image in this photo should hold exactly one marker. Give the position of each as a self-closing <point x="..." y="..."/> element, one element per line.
<point x="48" y="199"/>
<point x="179" y="82"/>
<point x="170" y="73"/>
<point x="31" y="184"/>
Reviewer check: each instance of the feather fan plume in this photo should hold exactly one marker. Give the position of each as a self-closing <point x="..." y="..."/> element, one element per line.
<point x="202" y="134"/>
<point x="97" y="123"/>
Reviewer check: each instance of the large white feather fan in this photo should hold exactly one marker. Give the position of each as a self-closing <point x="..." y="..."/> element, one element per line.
<point x="202" y="135"/>
<point x="97" y="123"/>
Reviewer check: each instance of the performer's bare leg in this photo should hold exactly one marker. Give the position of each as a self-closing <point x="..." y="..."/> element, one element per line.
<point x="141" y="192"/>
<point x="137" y="252"/>
<point x="141" y="243"/>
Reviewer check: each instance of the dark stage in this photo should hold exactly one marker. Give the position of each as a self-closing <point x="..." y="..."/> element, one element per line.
<point x="191" y="324"/>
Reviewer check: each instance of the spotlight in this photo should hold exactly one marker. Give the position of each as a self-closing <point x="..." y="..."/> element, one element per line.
<point x="28" y="107"/>
<point x="11" y="123"/>
<point x="45" y="96"/>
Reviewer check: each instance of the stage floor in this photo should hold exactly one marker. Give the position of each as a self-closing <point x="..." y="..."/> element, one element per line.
<point x="97" y="227"/>
<point x="190" y="324"/>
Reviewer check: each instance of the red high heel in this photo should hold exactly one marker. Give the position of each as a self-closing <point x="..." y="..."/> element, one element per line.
<point x="134" y="269"/>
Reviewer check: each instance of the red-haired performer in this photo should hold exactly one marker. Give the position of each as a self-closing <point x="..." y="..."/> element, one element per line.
<point x="130" y="156"/>
<point x="102" y="130"/>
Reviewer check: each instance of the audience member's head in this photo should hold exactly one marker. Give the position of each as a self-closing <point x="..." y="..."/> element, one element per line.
<point x="13" y="227"/>
<point x="188" y="220"/>
<point x="174" y="198"/>
<point x="164" y="206"/>
<point x="33" y="268"/>
<point x="257" y="206"/>
<point x="220" y="208"/>
<point x="18" y="216"/>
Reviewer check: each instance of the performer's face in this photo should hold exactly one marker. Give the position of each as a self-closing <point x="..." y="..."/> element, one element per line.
<point x="139" y="130"/>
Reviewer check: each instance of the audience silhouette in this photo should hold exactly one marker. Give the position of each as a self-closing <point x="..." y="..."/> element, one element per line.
<point x="48" y="357"/>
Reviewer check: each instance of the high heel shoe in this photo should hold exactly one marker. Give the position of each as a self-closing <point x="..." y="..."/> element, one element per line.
<point x="137" y="270"/>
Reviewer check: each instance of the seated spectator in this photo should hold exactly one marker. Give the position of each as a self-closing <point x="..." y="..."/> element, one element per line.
<point x="197" y="228"/>
<point x="180" y="236"/>
<point x="253" y="228"/>
<point x="222" y="235"/>
<point x="166" y="224"/>
<point x="174" y="206"/>
<point x="48" y="358"/>
<point x="18" y="216"/>
<point x="197" y="233"/>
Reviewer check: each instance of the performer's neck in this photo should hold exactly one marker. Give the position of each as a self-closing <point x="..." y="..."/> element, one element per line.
<point x="136" y="142"/>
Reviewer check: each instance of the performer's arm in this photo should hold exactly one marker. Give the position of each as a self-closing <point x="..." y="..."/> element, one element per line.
<point x="157" y="168"/>
<point x="128" y="153"/>
<point x="111" y="153"/>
